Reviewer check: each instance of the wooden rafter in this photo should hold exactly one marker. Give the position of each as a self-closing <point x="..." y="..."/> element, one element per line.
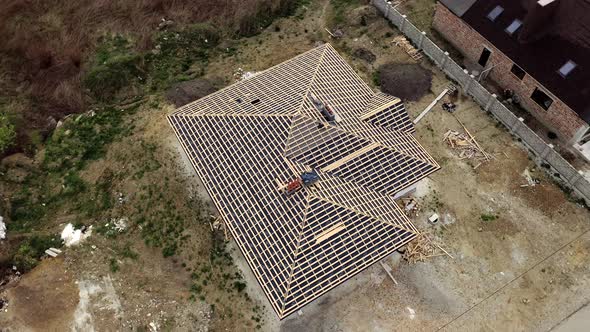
<point x="253" y="137"/>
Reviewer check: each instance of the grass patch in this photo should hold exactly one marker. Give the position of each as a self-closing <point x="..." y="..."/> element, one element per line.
<point x="30" y="251"/>
<point x="339" y="9"/>
<point x="488" y="217"/>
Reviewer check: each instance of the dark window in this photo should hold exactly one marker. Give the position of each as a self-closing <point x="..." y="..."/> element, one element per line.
<point x="517" y="71"/>
<point x="542" y="99"/>
<point x="493" y="15"/>
<point x="255" y="101"/>
<point x="485" y="56"/>
<point x="515" y="25"/>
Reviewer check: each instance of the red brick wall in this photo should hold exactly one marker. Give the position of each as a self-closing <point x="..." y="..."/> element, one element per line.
<point x="559" y="116"/>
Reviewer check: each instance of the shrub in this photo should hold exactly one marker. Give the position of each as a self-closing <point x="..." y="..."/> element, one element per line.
<point x="105" y="80"/>
<point x="488" y="217"/>
<point x="240" y="286"/>
<point x="7" y="133"/>
<point x="30" y="251"/>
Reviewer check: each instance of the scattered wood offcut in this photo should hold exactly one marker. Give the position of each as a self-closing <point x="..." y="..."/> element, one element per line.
<point x="421" y="248"/>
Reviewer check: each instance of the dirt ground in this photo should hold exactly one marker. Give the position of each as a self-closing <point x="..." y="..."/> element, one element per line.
<point x="409" y="82"/>
<point x="525" y="270"/>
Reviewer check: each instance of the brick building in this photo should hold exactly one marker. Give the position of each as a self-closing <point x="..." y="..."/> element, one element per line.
<point x="538" y="49"/>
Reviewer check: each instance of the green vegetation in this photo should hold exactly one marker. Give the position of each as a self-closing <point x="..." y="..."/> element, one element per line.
<point x="85" y="139"/>
<point x="376" y="78"/>
<point x="28" y="253"/>
<point x="488" y="217"/>
<point x="114" y="265"/>
<point x="7" y="133"/>
<point x="339" y="10"/>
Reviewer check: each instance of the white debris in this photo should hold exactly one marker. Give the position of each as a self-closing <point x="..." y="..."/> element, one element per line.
<point x="153" y="327"/>
<point x="2" y="229"/>
<point x="248" y="74"/>
<point x="53" y="252"/>
<point x="72" y="236"/>
<point x="120" y="224"/>
<point x="241" y="75"/>
<point x="530" y="181"/>
<point x="412" y="312"/>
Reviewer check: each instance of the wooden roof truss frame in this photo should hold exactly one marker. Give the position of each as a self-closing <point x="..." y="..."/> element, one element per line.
<point x="247" y="138"/>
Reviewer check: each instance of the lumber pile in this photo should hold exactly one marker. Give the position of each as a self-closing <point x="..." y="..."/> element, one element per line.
<point x="421" y="248"/>
<point x="405" y="45"/>
<point x="465" y="146"/>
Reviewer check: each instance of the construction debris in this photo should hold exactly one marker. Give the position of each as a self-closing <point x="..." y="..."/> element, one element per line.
<point x="337" y="34"/>
<point x="2" y="229"/>
<point x="53" y="252"/>
<point x="531" y="182"/>
<point x="421" y="248"/>
<point x="387" y="269"/>
<point x="240" y="74"/>
<point x="433" y="219"/>
<point x="217" y="225"/>
<point x="72" y="236"/>
<point x="405" y="45"/>
<point x="410" y="206"/>
<point x="466" y="146"/>
<point x="449" y="107"/>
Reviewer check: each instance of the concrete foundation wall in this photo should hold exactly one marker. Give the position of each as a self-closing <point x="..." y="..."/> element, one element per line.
<point x="488" y="101"/>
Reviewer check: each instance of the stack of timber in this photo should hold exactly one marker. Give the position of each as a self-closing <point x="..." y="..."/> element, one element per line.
<point x="405" y="45"/>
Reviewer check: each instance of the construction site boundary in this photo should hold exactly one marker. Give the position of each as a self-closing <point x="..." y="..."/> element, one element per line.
<point x="488" y="101"/>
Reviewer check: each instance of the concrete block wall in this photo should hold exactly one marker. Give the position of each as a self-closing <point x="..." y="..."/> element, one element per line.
<point x="559" y="116"/>
<point x="487" y="100"/>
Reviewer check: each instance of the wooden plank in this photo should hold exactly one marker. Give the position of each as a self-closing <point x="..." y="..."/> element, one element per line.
<point x="323" y="236"/>
<point x="349" y="157"/>
<point x="434" y="102"/>
<point x="379" y="109"/>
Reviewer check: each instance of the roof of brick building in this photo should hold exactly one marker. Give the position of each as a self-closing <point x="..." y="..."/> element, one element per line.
<point x="547" y="38"/>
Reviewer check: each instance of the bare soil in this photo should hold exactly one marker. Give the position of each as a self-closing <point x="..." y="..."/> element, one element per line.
<point x="407" y="81"/>
<point x="184" y="92"/>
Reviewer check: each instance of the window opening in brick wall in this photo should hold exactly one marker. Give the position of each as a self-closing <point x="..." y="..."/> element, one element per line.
<point x="541" y="98"/>
<point x="517" y="71"/>
<point x="484" y="57"/>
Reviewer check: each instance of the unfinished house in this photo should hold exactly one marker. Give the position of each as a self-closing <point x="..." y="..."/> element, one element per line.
<point x="540" y="50"/>
<point x="303" y="162"/>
